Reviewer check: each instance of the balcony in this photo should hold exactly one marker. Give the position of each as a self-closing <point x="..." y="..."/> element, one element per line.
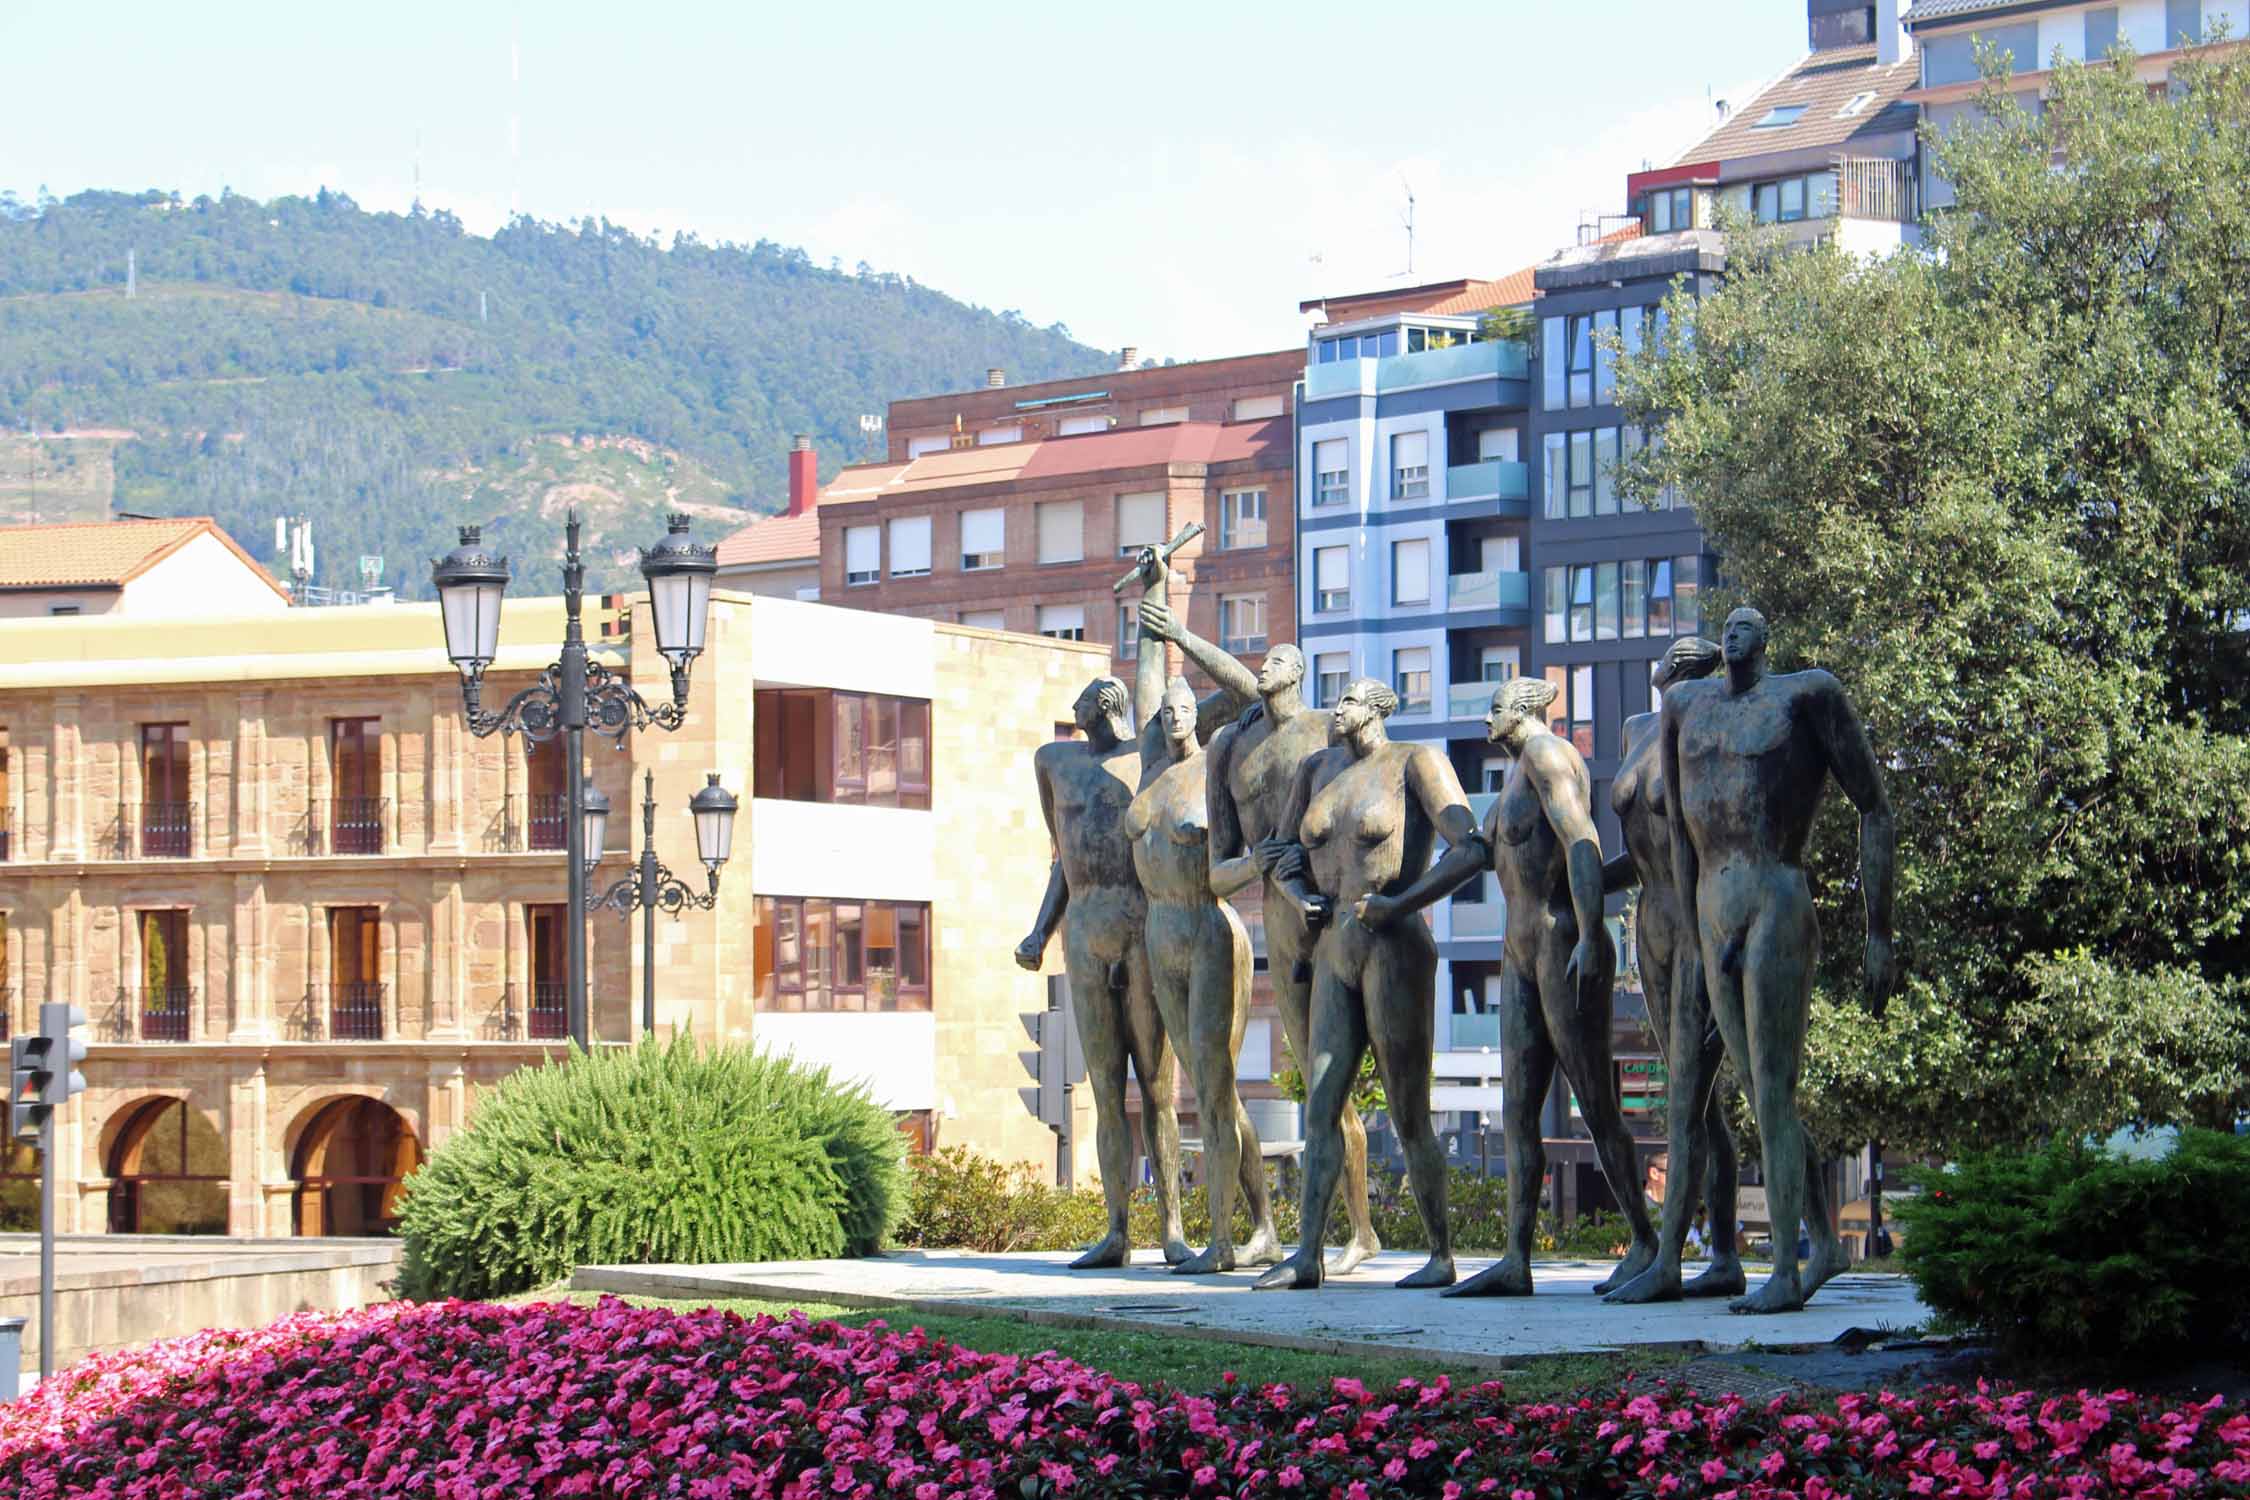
<point x="1489" y="591"/>
<point x="167" y="830"/>
<point x="549" y="824"/>
<point x="1495" y="479"/>
<point x="154" y="1014"/>
<point x="549" y="1017"/>
<point x="348" y="1012"/>
<point x="1492" y="359"/>
<point x="355" y="825"/>
<point x="1470" y="1030"/>
<point x="1469" y="700"/>
<point x="1486" y="916"/>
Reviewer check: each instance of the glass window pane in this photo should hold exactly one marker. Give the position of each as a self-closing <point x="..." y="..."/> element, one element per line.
<point x="1660" y="596"/>
<point x="1686" y="609"/>
<point x="1605" y="472"/>
<point x="1551" y="361"/>
<point x="820" y="955"/>
<point x="1558" y="712"/>
<point x="1632" y="587"/>
<point x="851" y="748"/>
<point x="850" y="969"/>
<point x="1581" y="474"/>
<point x="1605" y="602"/>
<point x="1605" y="369"/>
<point x="1582" y="709"/>
<point x="1792" y="198"/>
<point x="1766" y="202"/>
<point x="1557" y="473"/>
<point x="1558" y="588"/>
<point x="914" y="754"/>
<point x="1582" y="603"/>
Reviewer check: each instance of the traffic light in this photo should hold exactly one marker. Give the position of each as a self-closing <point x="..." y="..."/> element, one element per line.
<point x="43" y="1068"/>
<point x="1054" y="1061"/>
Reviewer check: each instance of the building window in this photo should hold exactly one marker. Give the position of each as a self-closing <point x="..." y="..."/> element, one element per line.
<point x="984" y="541"/>
<point x="1362" y="346"/>
<point x="984" y="619"/>
<point x="1632" y="583"/>
<point x="1605" y="365"/>
<point x="1499" y="663"/>
<point x="166" y="814"/>
<point x="1582" y="709"/>
<point x="353" y="1011"/>
<point x="1846" y="28"/>
<point x="1063" y="622"/>
<point x="1788" y="200"/>
<point x="1629" y="320"/>
<point x="1062" y="531"/>
<point x="1140" y="522"/>
<point x="1158" y="416"/>
<point x="1581" y="474"/>
<point x="1582" y="602"/>
<point x="1671" y="209"/>
<point x="1331" y="674"/>
<point x="1410" y="466"/>
<point x="66" y="609"/>
<point x="167" y="989"/>
<point x="1581" y="353"/>
<point x="863" y="554"/>
<point x="1780" y="117"/>
<point x="1332" y="466"/>
<point x="355" y="809"/>
<point x="1687" y="612"/>
<point x="1332" y="579"/>
<point x="910" y="547"/>
<point x="1410" y="679"/>
<point x="1410" y="571"/>
<point x="1605" y="601"/>
<point x="916" y="447"/>
<point x="2183" y="24"/>
<point x="1242" y="623"/>
<point x="1242" y="519"/>
<point x="992" y="435"/>
<point x="1660" y="596"/>
<point x="1556" y="470"/>
<point x="1258" y="408"/>
<point x="1498" y="443"/>
<point x="2101" y="32"/>
<point x="866" y="749"/>
<point x="1558" y="603"/>
<point x="1073" y="426"/>
<point x="1551" y="362"/>
<point x="1129" y="632"/>
<point x="1605" y="471"/>
<point x="815" y="953"/>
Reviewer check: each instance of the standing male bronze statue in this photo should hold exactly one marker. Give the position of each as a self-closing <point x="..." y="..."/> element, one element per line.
<point x="1253" y="767"/>
<point x="1085" y="789"/>
<point x="1558" y="973"/>
<point x="1352" y="850"/>
<point x="1702" y="1143"/>
<point x="1746" y="760"/>
<point x="1199" y="963"/>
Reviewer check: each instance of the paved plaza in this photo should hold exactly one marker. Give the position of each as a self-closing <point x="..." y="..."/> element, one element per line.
<point x="1360" y="1313"/>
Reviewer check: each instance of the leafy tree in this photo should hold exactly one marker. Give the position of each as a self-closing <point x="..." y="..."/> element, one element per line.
<point x="1998" y="486"/>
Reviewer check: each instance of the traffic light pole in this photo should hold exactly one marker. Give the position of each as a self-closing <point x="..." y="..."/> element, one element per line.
<point x="47" y="1248"/>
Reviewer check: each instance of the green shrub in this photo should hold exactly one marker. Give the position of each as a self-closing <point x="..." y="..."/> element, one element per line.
<point x="2072" y="1252"/>
<point x="960" y="1200"/>
<point x="665" y="1152"/>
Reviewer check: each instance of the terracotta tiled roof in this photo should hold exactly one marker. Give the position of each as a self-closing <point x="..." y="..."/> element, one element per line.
<point x="1056" y="458"/>
<point x="1452" y="298"/>
<point x="104" y="554"/>
<point x="1825" y="83"/>
<point x="773" y="539"/>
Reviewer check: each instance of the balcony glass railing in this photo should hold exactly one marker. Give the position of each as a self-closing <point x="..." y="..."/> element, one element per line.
<point x="1481" y="591"/>
<point x="1488" y="359"/>
<point x="1469" y="700"/>
<point x="1471" y="1030"/>
<point x="1494" y="479"/>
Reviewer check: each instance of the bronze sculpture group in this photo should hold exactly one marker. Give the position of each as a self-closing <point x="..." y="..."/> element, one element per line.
<point x="1716" y="795"/>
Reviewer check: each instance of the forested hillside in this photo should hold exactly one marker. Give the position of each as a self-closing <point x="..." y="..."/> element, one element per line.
<point x="392" y="376"/>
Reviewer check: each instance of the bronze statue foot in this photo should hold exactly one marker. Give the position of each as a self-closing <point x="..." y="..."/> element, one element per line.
<point x="1354" y="1254"/>
<point x="1723" y="1279"/>
<point x="1659" y="1283"/>
<point x="1509" y="1278"/>
<point x="1778" y="1295"/>
<point x="1176" y="1248"/>
<point x="1437" y="1272"/>
<point x="1825" y="1261"/>
<point x="1209" y="1263"/>
<point x="1638" y="1259"/>
<point x="1299" y="1273"/>
<point x="1106" y="1253"/>
<point x="1264" y="1249"/>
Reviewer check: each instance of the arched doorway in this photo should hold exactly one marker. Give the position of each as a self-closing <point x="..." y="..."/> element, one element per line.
<point x="167" y="1171"/>
<point x="349" y="1164"/>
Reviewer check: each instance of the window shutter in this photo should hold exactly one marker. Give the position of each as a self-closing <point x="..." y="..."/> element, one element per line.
<point x="983" y="531"/>
<point x="1140" y="520"/>
<point x="863" y="551"/>
<point x="1334" y="568"/>
<point x="1410" y="450"/>
<point x="1062" y="526"/>
<point x="910" y="546"/>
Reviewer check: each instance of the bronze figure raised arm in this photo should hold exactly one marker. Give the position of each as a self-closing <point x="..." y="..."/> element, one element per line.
<point x="1747" y="760"/>
<point x="1353" y="852"/>
<point x="1558" y="972"/>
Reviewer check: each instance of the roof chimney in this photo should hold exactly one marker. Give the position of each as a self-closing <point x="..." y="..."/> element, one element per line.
<point x="995" y="377"/>
<point x="1130" y="359"/>
<point x="804" y="475"/>
<point x="1892" y="44"/>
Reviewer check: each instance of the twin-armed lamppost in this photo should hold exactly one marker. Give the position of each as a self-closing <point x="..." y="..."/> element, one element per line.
<point x="652" y="887"/>
<point x="575" y="693"/>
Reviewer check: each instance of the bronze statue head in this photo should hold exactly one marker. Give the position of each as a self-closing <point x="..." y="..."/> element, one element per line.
<point x="1364" y="701"/>
<point x="1691" y="657"/>
<point x="1518" y="711"/>
<point x="1283" y="668"/>
<point x="1744" y="639"/>
<point x="1103" y="701"/>
<point x="1178" y="712"/>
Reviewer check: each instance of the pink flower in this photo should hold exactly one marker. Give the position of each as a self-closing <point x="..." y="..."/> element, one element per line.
<point x="1713" y="1471"/>
<point x="1291" y="1477"/>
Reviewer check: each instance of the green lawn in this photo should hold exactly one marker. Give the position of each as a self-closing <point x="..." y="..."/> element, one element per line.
<point x="1192" y="1364"/>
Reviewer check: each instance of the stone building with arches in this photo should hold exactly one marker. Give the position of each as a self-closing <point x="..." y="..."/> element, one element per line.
<point x="310" y="915"/>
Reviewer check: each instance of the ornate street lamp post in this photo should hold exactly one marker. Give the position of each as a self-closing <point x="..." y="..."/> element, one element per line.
<point x="575" y="693"/>
<point x="652" y="887"/>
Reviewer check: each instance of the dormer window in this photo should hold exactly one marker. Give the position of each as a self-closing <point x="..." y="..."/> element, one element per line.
<point x="1856" y="104"/>
<point x="1780" y="117"/>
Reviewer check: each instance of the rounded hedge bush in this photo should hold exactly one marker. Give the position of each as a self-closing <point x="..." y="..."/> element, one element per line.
<point x="662" y="1153"/>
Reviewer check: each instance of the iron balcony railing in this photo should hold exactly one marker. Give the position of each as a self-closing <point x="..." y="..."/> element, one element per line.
<point x="153" y="1013"/>
<point x="356" y="825"/>
<point x="549" y="1018"/>
<point x="167" y="830"/>
<point x="550" y="812"/>
<point x="348" y="1012"/>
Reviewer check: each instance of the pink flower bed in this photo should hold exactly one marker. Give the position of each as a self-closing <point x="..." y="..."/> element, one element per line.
<point x="472" y="1402"/>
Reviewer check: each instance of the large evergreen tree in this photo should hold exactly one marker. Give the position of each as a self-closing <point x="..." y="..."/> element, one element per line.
<point x="2001" y="487"/>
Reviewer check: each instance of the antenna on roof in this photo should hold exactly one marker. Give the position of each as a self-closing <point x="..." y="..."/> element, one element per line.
<point x="1407" y="219"/>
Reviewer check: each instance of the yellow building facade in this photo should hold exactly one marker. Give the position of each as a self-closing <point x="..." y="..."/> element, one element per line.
<point x="310" y="915"/>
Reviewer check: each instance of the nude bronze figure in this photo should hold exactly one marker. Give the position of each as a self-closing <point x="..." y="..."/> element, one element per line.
<point x="1352" y="851"/>
<point x="1701" y="1142"/>
<point x="1086" y="788"/>
<point x="1558" y="975"/>
<point x="1253" y="768"/>
<point x="1747" y="759"/>
<point x="1199" y="961"/>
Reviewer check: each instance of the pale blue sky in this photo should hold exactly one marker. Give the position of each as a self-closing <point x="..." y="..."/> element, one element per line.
<point x="1156" y="174"/>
